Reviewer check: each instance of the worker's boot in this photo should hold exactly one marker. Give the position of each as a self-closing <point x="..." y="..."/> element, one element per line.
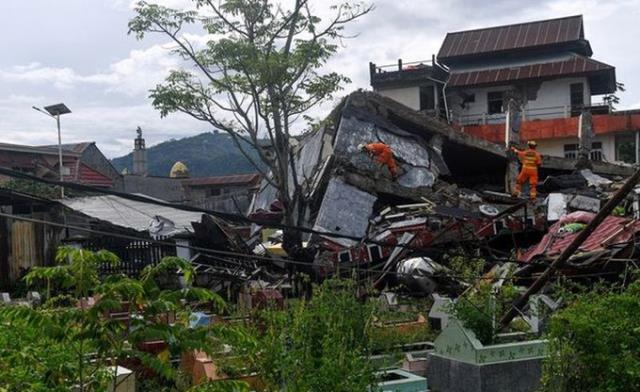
<point x="516" y="192"/>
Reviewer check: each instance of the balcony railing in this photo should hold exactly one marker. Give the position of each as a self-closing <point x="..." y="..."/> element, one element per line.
<point x="541" y="113"/>
<point x="400" y="66"/>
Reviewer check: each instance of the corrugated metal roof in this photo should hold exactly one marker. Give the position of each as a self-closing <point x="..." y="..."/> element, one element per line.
<point x="223" y="180"/>
<point x="613" y="230"/>
<point x="514" y="36"/>
<point x="132" y="214"/>
<point x="49" y="150"/>
<point x="576" y="65"/>
<point x="77" y="148"/>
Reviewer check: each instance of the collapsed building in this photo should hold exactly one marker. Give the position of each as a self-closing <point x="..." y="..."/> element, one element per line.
<point x="449" y="191"/>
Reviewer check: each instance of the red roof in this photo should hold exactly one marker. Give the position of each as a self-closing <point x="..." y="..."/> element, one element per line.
<point x="86" y="175"/>
<point x="613" y="230"/>
<point x="516" y="36"/>
<point x="576" y="65"/>
<point x="239" y="179"/>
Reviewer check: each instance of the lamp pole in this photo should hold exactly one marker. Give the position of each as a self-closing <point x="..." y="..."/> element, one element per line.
<point x="60" y="155"/>
<point x="54" y="111"/>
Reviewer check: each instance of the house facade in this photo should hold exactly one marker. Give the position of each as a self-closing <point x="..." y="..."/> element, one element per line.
<point x="544" y="72"/>
<point x="82" y="163"/>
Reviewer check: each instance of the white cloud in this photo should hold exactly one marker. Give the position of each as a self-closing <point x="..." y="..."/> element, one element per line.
<point x="109" y="100"/>
<point x="136" y="74"/>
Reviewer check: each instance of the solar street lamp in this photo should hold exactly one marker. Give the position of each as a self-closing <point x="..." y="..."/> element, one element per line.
<point x="55" y="111"/>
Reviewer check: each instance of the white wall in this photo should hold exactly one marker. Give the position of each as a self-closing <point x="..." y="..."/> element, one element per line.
<point x="551" y="99"/>
<point x="553" y="96"/>
<point x="409" y="96"/>
<point x="555" y="147"/>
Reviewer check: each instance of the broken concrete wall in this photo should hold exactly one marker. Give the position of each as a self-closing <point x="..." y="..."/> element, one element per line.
<point x="346" y="210"/>
<point x="411" y="153"/>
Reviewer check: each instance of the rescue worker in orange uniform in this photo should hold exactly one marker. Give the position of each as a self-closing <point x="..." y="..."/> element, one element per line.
<point x="383" y="154"/>
<point x="531" y="160"/>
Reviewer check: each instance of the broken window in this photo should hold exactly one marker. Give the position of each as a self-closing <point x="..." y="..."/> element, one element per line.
<point x="576" y="91"/>
<point x="427" y="98"/>
<point x="571" y="151"/>
<point x="495" y="102"/>
<point x="596" y="151"/>
<point x="626" y="148"/>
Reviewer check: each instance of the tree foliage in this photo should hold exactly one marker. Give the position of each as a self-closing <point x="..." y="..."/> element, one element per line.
<point x="76" y="346"/>
<point x="594" y="344"/>
<point x="254" y="72"/>
<point x="33" y="188"/>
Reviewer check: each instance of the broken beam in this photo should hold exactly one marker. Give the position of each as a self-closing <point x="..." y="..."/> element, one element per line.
<point x="571" y="249"/>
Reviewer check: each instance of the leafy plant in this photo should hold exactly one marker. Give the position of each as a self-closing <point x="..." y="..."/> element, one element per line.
<point x="468" y="269"/>
<point x="80" y="344"/>
<point x="77" y="270"/>
<point x="594" y="344"/>
<point x="318" y="345"/>
<point x="33" y="188"/>
<point x="479" y="309"/>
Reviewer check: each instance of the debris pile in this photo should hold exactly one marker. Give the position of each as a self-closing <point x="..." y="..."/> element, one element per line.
<point x="398" y="233"/>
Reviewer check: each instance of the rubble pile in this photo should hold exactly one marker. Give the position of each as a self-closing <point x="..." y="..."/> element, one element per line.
<point x="448" y="196"/>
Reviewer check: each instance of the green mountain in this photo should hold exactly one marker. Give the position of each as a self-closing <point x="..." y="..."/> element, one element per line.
<point x="207" y="154"/>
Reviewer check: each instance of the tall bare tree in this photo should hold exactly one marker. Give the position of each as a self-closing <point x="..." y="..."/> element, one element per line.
<point x="256" y="70"/>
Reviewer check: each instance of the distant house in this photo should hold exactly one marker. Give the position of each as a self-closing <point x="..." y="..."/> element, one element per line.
<point x="231" y="194"/>
<point x="81" y="163"/>
<point x="545" y="66"/>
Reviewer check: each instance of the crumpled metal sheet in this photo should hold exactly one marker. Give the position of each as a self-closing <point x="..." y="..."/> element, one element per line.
<point x="345" y="210"/>
<point x="136" y="215"/>
<point x="417" y="274"/>
<point x="418" y="167"/>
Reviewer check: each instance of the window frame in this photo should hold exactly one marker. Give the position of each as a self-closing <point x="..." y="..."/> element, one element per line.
<point x="427" y="91"/>
<point x="576" y="108"/>
<point x="491" y="101"/>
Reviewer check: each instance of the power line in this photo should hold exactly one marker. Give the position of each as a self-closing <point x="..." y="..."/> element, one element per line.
<point x="243" y="255"/>
<point x="222" y="215"/>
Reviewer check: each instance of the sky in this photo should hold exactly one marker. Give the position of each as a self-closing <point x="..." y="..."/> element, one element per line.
<point x="78" y="52"/>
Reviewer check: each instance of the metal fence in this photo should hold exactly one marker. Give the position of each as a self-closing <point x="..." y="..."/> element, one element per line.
<point x="134" y="255"/>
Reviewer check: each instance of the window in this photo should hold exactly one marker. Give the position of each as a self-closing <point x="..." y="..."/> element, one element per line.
<point x="626" y="148"/>
<point x="596" y="151"/>
<point x="215" y="192"/>
<point x="495" y="102"/>
<point x="576" y="91"/>
<point x="571" y="151"/>
<point x="427" y="98"/>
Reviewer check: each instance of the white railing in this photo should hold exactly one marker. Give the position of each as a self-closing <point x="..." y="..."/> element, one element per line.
<point x="541" y="113"/>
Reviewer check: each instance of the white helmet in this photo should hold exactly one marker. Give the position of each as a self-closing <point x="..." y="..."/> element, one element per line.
<point x="361" y="146"/>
